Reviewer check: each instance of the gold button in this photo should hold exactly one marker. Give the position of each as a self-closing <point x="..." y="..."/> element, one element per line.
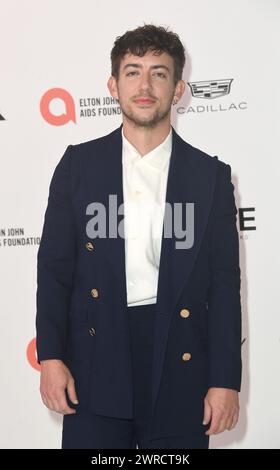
<point x="89" y="246"/>
<point x="92" y="331"/>
<point x="94" y="293"/>
<point x="186" y="356"/>
<point x="185" y="313"/>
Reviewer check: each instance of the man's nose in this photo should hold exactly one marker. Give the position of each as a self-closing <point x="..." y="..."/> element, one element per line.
<point x="145" y="82"/>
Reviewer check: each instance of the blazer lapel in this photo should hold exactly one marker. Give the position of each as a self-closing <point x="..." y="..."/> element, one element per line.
<point x="188" y="182"/>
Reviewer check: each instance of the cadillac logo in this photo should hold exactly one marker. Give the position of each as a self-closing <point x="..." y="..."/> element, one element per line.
<point x="210" y="89"/>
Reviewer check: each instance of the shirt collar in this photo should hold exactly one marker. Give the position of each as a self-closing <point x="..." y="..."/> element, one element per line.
<point x="158" y="157"/>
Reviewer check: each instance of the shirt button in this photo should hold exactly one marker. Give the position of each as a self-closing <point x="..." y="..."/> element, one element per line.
<point x="92" y="331"/>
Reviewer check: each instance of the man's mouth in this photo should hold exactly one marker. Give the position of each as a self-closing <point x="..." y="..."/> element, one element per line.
<point x="144" y="101"/>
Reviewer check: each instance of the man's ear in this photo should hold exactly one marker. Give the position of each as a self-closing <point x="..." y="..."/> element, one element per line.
<point x="113" y="88"/>
<point x="179" y="90"/>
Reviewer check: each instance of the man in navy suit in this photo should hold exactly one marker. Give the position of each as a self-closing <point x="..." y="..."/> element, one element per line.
<point x="138" y="298"/>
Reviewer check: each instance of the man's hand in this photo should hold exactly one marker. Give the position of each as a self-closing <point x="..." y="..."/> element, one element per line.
<point x="221" y="407"/>
<point x="55" y="379"/>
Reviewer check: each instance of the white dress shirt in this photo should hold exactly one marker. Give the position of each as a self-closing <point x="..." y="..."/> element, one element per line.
<point x="144" y="191"/>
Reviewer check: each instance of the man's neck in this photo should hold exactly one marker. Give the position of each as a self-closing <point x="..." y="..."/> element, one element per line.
<point x="146" y="139"/>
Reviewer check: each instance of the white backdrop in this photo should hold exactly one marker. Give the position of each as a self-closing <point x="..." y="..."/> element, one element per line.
<point x="65" y="44"/>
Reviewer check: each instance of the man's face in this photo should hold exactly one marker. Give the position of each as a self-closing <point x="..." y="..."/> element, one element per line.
<point x="145" y="88"/>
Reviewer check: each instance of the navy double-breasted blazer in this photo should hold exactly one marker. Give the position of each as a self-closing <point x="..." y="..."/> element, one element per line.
<point x="203" y="279"/>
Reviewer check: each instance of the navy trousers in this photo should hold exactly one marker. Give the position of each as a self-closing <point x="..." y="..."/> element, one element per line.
<point x="85" y="430"/>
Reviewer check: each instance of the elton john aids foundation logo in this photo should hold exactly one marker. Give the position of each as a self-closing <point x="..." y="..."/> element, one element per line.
<point x="49" y="99"/>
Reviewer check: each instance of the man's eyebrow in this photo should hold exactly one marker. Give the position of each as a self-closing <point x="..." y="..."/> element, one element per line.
<point x="158" y="66"/>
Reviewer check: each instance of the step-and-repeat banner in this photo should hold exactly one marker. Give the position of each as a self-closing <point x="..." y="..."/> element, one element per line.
<point x="55" y="63"/>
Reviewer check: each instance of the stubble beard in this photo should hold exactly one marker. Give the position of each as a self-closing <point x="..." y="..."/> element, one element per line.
<point x="147" y="123"/>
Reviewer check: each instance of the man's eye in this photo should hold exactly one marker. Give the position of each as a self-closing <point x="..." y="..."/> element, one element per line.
<point x="160" y="74"/>
<point x="131" y="73"/>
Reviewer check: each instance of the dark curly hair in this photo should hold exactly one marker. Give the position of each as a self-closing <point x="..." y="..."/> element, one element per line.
<point x="149" y="38"/>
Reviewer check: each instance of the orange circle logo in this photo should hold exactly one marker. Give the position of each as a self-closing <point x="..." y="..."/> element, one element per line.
<point x="31" y="354"/>
<point x="63" y="95"/>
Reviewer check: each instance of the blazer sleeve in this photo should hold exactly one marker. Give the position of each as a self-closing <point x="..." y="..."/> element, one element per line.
<point x="224" y="305"/>
<point x="55" y="264"/>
